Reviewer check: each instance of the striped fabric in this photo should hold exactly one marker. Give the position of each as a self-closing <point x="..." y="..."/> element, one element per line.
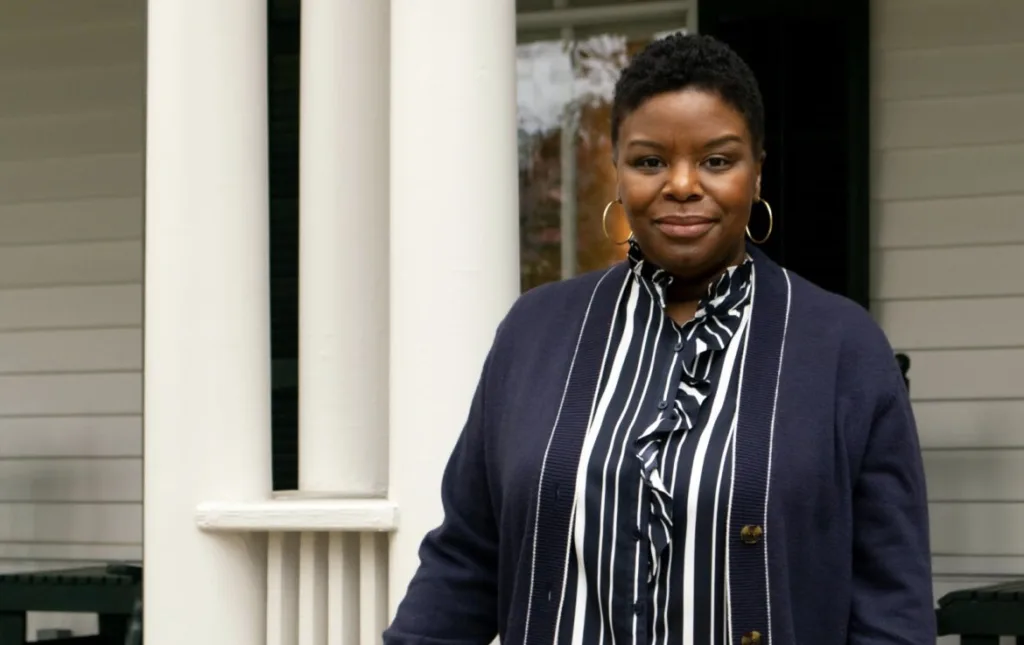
<point x="648" y="562"/>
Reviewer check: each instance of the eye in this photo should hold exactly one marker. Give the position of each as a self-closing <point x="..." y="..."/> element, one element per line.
<point x="648" y="163"/>
<point x="718" y="162"/>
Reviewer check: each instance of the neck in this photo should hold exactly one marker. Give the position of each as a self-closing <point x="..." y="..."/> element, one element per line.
<point x="691" y="289"/>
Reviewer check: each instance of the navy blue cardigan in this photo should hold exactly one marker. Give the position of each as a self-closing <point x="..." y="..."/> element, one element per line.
<point x="827" y="464"/>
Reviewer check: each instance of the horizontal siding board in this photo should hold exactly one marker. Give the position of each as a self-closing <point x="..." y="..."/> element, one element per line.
<point x="71" y="394"/>
<point x="95" y="523"/>
<point x="68" y="178"/>
<point x="71" y="480"/>
<point x="68" y="437"/>
<point x="83" y="220"/>
<point x="37" y="553"/>
<point x="945" y="23"/>
<point x="71" y="135"/>
<point x="972" y="565"/>
<point x="980" y="374"/>
<point x="965" y="272"/>
<point x="947" y="259"/>
<point x="72" y="97"/>
<point x="957" y="121"/>
<point x="928" y="173"/>
<point x="969" y="424"/>
<point x="69" y="307"/>
<point x="948" y="71"/>
<point x="89" y="44"/>
<point x="953" y="323"/>
<point x="993" y="219"/>
<point x="71" y="264"/>
<point x="22" y="15"/>
<point x="982" y="474"/>
<point x="62" y="91"/>
<point x="972" y="528"/>
<point x="66" y="350"/>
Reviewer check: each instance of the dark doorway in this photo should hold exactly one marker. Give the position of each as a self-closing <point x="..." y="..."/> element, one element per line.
<point x="811" y="59"/>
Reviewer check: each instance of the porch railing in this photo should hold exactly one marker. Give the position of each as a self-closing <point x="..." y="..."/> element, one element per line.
<point x="327" y="564"/>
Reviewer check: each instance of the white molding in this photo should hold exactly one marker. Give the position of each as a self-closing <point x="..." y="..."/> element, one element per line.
<point x="286" y="515"/>
<point x="977" y="565"/>
<point x="557" y="18"/>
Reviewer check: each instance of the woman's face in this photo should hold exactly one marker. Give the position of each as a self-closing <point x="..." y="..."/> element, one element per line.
<point x="687" y="176"/>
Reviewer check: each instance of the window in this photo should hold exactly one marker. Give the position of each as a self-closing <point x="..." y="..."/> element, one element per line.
<point x="567" y="63"/>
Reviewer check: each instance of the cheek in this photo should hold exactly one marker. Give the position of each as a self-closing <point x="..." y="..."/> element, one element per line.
<point x="637" y="193"/>
<point x="734" y="193"/>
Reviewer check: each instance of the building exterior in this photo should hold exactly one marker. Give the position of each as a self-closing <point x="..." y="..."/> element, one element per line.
<point x="134" y="171"/>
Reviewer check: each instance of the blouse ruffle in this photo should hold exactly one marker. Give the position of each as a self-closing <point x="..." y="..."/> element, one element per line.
<point x="714" y="324"/>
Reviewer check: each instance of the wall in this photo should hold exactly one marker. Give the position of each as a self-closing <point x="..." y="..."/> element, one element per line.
<point x="948" y="262"/>
<point x="71" y="163"/>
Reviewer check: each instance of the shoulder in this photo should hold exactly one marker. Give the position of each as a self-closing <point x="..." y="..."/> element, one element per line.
<point x="827" y="315"/>
<point x="867" y="379"/>
<point x="838" y="341"/>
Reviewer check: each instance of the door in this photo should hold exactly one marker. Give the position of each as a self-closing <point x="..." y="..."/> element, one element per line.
<point x="811" y="60"/>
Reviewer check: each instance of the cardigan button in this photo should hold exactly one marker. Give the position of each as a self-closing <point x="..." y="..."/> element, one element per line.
<point x="662" y="405"/>
<point x="751" y="534"/>
<point x="751" y="638"/>
<point x="679" y="346"/>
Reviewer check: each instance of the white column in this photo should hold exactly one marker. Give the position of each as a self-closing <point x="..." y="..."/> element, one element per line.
<point x="343" y="266"/>
<point x="207" y="353"/>
<point x="454" y="236"/>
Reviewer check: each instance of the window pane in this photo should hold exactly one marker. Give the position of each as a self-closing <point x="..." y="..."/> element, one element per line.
<point x="566" y="174"/>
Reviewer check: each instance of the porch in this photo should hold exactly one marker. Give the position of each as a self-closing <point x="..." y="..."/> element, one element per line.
<point x="150" y="156"/>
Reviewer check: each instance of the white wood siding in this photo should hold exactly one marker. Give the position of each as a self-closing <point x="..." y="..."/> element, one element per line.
<point x="71" y="181"/>
<point x="948" y="262"/>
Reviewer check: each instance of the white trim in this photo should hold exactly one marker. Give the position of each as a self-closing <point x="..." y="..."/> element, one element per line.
<point x="558" y="18"/>
<point x="771" y="445"/>
<point x="732" y="456"/>
<point x="342" y="515"/>
<point x="543" y="467"/>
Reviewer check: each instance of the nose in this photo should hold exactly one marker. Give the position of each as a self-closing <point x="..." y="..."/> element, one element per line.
<point x="683" y="182"/>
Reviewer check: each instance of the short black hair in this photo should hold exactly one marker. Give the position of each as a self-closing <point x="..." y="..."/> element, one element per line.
<point x="681" y="61"/>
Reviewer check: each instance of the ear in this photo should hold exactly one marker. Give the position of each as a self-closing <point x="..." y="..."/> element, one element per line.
<point x="757" y="183"/>
<point x="618" y="177"/>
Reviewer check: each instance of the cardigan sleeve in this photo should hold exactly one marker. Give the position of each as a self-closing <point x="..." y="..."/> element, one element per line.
<point x="892" y="599"/>
<point x="452" y="598"/>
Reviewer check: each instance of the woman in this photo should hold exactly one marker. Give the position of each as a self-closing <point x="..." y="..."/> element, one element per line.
<point x="695" y="446"/>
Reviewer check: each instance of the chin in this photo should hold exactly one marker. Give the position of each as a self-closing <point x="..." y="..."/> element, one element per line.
<point x="694" y="260"/>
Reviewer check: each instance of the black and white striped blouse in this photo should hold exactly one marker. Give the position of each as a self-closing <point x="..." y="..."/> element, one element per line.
<point x="648" y="558"/>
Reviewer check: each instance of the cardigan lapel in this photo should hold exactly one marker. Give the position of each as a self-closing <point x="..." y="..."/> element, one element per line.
<point x="747" y="531"/>
<point x="557" y="485"/>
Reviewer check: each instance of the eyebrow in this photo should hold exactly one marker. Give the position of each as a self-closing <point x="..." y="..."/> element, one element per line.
<point x="714" y="143"/>
<point x="645" y="143"/>
<point x="720" y="141"/>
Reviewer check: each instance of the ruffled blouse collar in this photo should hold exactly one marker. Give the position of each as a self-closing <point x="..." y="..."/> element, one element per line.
<point x="717" y="319"/>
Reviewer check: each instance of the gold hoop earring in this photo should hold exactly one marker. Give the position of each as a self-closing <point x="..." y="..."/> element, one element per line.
<point x="604" y="224"/>
<point x="771" y="223"/>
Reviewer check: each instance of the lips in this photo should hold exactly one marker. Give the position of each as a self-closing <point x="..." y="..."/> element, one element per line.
<point x="684" y="227"/>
